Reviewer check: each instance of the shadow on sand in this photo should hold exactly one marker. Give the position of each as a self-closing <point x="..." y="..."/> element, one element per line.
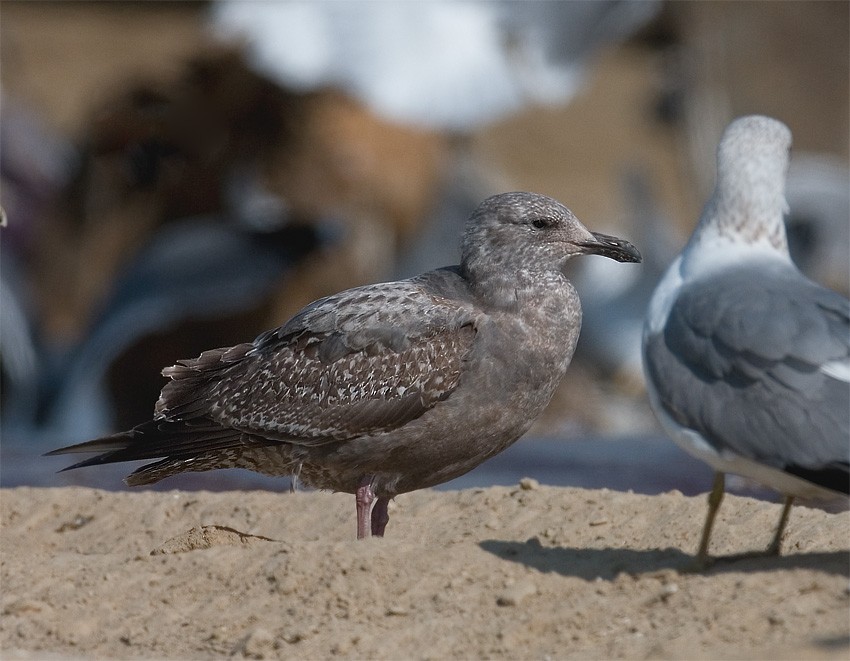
<point x="606" y="564"/>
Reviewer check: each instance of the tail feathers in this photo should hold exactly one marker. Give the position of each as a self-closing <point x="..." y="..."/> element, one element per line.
<point x="150" y="473"/>
<point x="156" y="439"/>
<point x="835" y="476"/>
<point x="108" y="446"/>
<point x="105" y="444"/>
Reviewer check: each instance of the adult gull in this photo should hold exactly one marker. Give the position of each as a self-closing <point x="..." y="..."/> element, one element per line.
<point x="747" y="362"/>
<point x="386" y="388"/>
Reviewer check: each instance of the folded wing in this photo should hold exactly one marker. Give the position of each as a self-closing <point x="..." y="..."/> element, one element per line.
<point x="759" y="366"/>
<point x="359" y="363"/>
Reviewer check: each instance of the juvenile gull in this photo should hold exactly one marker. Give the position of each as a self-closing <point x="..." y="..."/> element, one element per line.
<point x="386" y="388"/>
<point x="748" y="362"/>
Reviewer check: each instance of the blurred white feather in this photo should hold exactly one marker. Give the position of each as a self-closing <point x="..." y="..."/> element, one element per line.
<point x="446" y="64"/>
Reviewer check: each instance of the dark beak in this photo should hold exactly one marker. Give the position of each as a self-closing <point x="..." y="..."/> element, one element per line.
<point x="610" y="246"/>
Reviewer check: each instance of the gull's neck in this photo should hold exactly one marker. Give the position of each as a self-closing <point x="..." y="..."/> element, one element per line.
<point x="512" y="290"/>
<point x="744" y="216"/>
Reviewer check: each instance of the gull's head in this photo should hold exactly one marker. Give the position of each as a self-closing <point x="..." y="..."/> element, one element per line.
<point x="749" y="197"/>
<point x="531" y="232"/>
<point x="753" y="156"/>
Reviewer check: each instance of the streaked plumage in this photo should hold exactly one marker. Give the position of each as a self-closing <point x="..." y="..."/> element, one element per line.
<point x="747" y="361"/>
<point x="386" y="388"/>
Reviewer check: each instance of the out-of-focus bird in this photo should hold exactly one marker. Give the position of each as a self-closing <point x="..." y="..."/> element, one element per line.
<point x="445" y="64"/>
<point x="747" y="361"/>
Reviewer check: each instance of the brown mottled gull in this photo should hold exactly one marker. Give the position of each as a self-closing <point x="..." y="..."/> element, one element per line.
<point x="387" y="388"/>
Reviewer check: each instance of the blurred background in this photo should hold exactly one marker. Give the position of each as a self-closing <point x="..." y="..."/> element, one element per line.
<point x="178" y="176"/>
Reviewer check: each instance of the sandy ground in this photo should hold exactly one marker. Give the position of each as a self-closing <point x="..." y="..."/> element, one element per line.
<point x="528" y="572"/>
<point x="497" y="573"/>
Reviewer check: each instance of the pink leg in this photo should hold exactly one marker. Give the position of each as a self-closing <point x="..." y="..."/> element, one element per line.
<point x="364" y="497"/>
<point x="380" y="517"/>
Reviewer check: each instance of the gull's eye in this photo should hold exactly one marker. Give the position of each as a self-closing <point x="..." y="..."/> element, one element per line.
<point x="540" y="223"/>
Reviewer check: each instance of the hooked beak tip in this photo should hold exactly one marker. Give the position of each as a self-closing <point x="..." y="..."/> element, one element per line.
<point x="612" y="247"/>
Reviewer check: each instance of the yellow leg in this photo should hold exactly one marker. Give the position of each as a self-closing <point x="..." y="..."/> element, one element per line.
<point x="773" y="549"/>
<point x="714" y="500"/>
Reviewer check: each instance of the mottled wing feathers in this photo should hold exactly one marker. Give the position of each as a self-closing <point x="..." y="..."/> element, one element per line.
<point x="360" y="362"/>
<point x="726" y="368"/>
